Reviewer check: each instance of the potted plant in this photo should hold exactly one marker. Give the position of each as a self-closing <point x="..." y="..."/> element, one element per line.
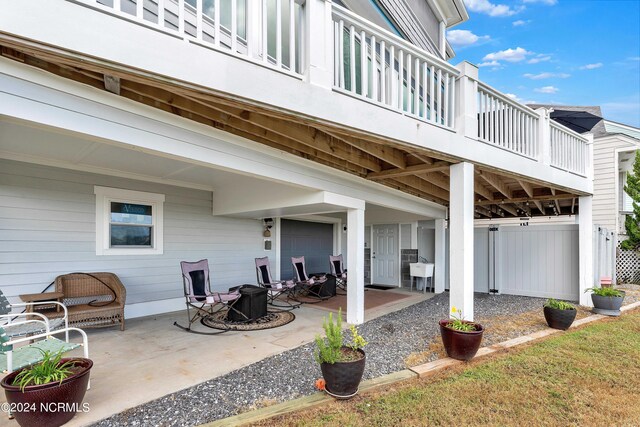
<point x="559" y="314"/>
<point x="461" y="338"/>
<point x="606" y="301"/>
<point x="342" y="365"/>
<point x="48" y="393"/>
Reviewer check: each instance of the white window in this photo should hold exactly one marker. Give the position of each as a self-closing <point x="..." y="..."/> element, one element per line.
<point x="128" y="222"/>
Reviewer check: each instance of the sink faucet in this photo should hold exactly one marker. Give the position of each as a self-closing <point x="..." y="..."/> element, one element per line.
<point x="423" y="259"/>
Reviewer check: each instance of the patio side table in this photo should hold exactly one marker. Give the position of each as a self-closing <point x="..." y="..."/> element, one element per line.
<point x="252" y="303"/>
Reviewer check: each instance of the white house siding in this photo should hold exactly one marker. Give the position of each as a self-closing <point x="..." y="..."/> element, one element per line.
<point x="47" y="228"/>
<point x="605" y="168"/>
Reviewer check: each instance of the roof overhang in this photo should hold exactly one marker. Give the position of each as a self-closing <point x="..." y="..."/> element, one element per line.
<point x="453" y="11"/>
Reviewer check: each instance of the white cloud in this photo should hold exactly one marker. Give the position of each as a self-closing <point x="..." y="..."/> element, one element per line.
<point x="510" y="55"/>
<point x="488" y="8"/>
<point x="547" y="2"/>
<point x="461" y="38"/>
<point x="541" y="76"/>
<point x="633" y="58"/>
<point x="541" y="57"/>
<point x="489" y="64"/>
<point x="591" y="66"/>
<point x="520" y="22"/>
<point x="547" y="89"/>
<point x="520" y="100"/>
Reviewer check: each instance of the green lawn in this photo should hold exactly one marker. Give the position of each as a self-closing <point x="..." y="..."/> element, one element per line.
<point x="586" y="377"/>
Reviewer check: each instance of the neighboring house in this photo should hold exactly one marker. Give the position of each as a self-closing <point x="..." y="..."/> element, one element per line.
<point x="135" y="135"/>
<point x="614" y="148"/>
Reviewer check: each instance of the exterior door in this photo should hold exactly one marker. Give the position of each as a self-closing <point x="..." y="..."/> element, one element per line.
<point x="385" y="260"/>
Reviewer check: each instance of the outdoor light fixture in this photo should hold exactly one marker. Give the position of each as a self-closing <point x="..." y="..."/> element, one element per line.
<point x="268" y="225"/>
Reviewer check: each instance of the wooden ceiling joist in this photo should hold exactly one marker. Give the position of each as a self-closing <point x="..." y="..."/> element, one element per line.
<point x="528" y="188"/>
<point x="499" y="202"/>
<point x="409" y="170"/>
<point x="496" y="182"/>
<point x="390" y="155"/>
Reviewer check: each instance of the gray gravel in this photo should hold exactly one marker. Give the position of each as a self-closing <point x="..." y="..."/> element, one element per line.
<point x="292" y="374"/>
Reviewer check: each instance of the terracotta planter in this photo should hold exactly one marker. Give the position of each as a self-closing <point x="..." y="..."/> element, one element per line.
<point x="51" y="404"/>
<point x="559" y="319"/>
<point x="609" y="306"/>
<point x="343" y="378"/>
<point x="461" y="345"/>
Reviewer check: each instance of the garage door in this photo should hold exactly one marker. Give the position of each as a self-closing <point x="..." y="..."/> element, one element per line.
<point x="313" y="240"/>
<point x="539" y="261"/>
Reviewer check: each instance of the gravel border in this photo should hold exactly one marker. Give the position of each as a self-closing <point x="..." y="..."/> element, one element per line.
<point x="291" y="374"/>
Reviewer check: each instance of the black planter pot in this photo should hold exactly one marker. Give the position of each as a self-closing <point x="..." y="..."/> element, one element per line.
<point x="461" y="345"/>
<point x="559" y="319"/>
<point x="343" y="378"/>
<point x="51" y="404"/>
<point x="609" y="306"/>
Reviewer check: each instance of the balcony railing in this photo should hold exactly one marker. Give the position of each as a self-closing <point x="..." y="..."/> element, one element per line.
<point x="569" y="150"/>
<point x="506" y="123"/>
<point x="330" y="46"/>
<point x="263" y="31"/>
<point x="379" y="66"/>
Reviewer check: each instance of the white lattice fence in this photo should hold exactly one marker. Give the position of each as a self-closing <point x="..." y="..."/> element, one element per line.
<point x="628" y="266"/>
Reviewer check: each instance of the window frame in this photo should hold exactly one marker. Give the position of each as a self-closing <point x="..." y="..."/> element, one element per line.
<point x="104" y="197"/>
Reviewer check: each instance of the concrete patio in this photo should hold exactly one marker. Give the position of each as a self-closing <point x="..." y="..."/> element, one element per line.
<point x="153" y="358"/>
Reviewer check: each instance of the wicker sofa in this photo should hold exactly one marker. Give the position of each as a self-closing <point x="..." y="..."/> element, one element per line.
<point x="93" y="300"/>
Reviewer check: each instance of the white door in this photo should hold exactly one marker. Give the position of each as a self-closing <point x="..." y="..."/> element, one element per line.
<point x="385" y="260"/>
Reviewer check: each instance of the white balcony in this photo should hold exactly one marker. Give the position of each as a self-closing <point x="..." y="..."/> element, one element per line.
<point x="333" y="80"/>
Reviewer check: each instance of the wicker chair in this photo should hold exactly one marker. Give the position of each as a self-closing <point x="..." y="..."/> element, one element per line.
<point x="93" y="300"/>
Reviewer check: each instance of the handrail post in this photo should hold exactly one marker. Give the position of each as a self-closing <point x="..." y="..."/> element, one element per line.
<point x="318" y="43"/>
<point x="467" y="100"/>
<point x="544" y="135"/>
<point x="589" y="172"/>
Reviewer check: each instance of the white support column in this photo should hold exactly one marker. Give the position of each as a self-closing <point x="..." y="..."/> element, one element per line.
<point x="355" y="261"/>
<point x="277" y="248"/>
<point x="585" y="244"/>
<point x="414" y="235"/>
<point x="466" y="114"/>
<point x="461" y="235"/>
<point x="440" y="257"/>
<point x="318" y="43"/>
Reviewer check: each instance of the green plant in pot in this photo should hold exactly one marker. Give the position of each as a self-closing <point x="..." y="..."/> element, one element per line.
<point x="606" y="301"/>
<point x="48" y="393"/>
<point x="342" y="364"/>
<point x="559" y="314"/>
<point x="461" y="338"/>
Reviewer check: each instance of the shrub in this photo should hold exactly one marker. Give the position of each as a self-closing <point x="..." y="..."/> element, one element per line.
<point x="605" y="292"/>
<point x="329" y="348"/>
<point x="47" y="371"/>
<point x="559" y="305"/>
<point x="458" y="324"/>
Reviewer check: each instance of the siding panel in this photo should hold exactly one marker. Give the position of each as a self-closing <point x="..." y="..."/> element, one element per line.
<point x="47" y="228"/>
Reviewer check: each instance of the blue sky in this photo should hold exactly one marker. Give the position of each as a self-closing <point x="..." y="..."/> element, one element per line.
<point x="572" y="52"/>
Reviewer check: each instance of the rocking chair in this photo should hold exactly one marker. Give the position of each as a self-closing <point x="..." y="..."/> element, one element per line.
<point x="198" y="295"/>
<point x="312" y="287"/>
<point x="275" y="289"/>
<point x="337" y="269"/>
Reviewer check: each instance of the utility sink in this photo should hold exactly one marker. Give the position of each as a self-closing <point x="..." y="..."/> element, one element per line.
<point x="421" y="269"/>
